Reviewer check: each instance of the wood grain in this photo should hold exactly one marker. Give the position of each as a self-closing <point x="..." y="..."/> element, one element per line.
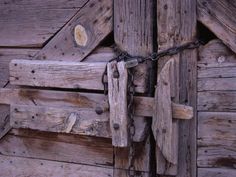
<point x="96" y="20"/>
<point x="216" y="172"/>
<point x="45" y="168"/>
<point x="216" y="139"/>
<point x="79" y="75"/>
<point x="218" y="16"/>
<point x="44" y="148"/>
<point x="133" y="33"/>
<point x="31" y="23"/>
<point x="118" y="106"/>
<point x="162" y="114"/>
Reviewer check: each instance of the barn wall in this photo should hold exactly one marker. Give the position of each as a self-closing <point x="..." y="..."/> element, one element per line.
<point x="216" y="140"/>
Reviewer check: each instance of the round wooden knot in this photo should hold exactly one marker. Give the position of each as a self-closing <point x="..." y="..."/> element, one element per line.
<point x="80" y="35"/>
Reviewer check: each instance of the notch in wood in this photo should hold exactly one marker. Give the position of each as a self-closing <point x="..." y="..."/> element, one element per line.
<point x="117" y="96"/>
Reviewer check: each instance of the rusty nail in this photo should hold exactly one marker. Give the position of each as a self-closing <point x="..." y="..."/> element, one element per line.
<point x="116" y="74"/>
<point x="116" y="126"/>
<point x="98" y="110"/>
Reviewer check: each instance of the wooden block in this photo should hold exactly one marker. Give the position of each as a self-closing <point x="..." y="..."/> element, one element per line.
<point x="46" y="168"/>
<point x="218" y="16"/>
<point x="79" y="75"/>
<point x="82" y="34"/>
<point x="162" y="114"/>
<point x="117" y="96"/>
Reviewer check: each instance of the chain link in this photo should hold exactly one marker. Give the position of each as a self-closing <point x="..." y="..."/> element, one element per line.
<point x="131" y="127"/>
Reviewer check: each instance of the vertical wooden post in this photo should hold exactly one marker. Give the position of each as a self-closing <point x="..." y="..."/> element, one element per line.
<point x="176" y="23"/>
<point x="133" y="32"/>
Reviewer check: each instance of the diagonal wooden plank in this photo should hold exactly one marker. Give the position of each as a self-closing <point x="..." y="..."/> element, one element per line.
<point x="81" y="34"/>
<point x="219" y="17"/>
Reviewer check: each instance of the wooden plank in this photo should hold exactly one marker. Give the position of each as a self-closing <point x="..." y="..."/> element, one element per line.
<point x="133" y="33"/>
<point x="44" y="148"/>
<point x="216" y="128"/>
<point x="219" y="72"/>
<point x="117" y="95"/>
<point x="162" y="114"/>
<point x="81" y="34"/>
<point x="218" y="16"/>
<point x="31" y="23"/>
<point x="215" y="54"/>
<point x="216" y="172"/>
<point x="176" y="23"/>
<point x="216" y="139"/>
<point x="36" y="167"/>
<point x="64" y="74"/>
<point x="43" y="118"/>
<point x="217" y="84"/>
<point x="217" y="101"/>
<point x="180" y="111"/>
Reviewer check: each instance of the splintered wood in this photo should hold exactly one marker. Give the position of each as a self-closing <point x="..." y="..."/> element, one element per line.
<point x="117" y="95"/>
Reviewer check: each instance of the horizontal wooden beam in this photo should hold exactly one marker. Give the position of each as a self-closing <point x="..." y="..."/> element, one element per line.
<point x="31" y="108"/>
<point x="75" y="75"/>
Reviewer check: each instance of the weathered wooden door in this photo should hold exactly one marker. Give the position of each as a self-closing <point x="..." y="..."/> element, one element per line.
<point x="60" y="88"/>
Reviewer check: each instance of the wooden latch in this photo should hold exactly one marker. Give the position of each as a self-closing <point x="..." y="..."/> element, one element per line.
<point x="162" y="123"/>
<point x="164" y="110"/>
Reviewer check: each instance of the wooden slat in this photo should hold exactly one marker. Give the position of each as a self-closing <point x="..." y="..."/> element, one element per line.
<point x="117" y="95"/>
<point x="217" y="84"/>
<point x="219" y="72"/>
<point x="218" y="16"/>
<point x="133" y="33"/>
<point x="83" y="75"/>
<point x="176" y="23"/>
<point x="51" y="119"/>
<point x="216" y="172"/>
<point x="93" y="23"/>
<point x="216" y="139"/>
<point x="162" y="114"/>
<point x="217" y="101"/>
<point x="30" y="23"/>
<point x="36" y="167"/>
<point x="98" y="154"/>
<point x="214" y="55"/>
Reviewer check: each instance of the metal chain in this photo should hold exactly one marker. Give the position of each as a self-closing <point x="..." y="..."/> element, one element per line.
<point x="131" y="127"/>
<point x="132" y="61"/>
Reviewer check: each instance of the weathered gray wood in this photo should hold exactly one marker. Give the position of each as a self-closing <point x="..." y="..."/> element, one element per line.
<point x="180" y="111"/>
<point x="176" y="23"/>
<point x="83" y="75"/>
<point x="217" y="84"/>
<point x="4" y="120"/>
<point x="37" y="167"/>
<point x="218" y="16"/>
<point x="44" y="118"/>
<point x="31" y="23"/>
<point x="133" y="33"/>
<point x="117" y="95"/>
<point x="95" y="23"/>
<point x="217" y="101"/>
<point x="63" y="74"/>
<point x="216" y="172"/>
<point x="162" y="114"/>
<point x="216" y="139"/>
<point x="219" y="72"/>
<point x="214" y="55"/>
<point x="98" y="154"/>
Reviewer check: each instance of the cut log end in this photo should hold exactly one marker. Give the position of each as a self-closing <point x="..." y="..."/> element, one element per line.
<point x="80" y="35"/>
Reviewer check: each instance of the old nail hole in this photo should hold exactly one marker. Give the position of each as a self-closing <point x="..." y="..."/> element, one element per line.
<point x="33" y="71"/>
<point x="17" y="78"/>
<point x="15" y="64"/>
<point x="165" y="7"/>
<point x="32" y="117"/>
